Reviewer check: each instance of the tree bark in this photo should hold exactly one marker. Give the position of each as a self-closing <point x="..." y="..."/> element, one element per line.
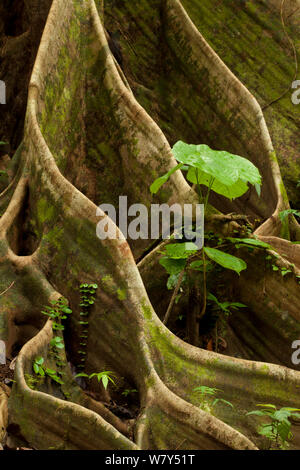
<point x="88" y="139"/>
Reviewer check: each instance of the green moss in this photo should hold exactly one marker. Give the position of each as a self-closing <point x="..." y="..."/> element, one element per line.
<point x="146" y="310"/>
<point x="252" y="44"/>
<point x="33" y="382"/>
<point x="45" y="212"/>
<point x="273" y="157"/>
<point x="122" y="295"/>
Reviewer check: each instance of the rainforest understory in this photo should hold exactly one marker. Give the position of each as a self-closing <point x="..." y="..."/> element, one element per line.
<point x="98" y="92"/>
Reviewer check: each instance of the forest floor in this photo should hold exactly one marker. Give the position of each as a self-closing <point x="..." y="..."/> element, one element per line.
<point x="6" y="377"/>
<point x="6" y="373"/>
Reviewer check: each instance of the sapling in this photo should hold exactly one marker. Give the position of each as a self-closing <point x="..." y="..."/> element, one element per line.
<point x="206" y="396"/>
<point x="277" y="425"/>
<point x="227" y="175"/>
<point x="104" y="377"/>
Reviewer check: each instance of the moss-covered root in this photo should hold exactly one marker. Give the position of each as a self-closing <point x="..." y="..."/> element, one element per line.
<point x="241" y="113"/>
<point x="166" y="421"/>
<point x="243" y="383"/>
<point x="52" y="423"/>
<point x="169" y="422"/>
<point x="124" y="331"/>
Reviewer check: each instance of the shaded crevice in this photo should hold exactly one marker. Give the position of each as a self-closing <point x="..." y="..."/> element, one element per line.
<point x="22" y="237"/>
<point x="125" y="333"/>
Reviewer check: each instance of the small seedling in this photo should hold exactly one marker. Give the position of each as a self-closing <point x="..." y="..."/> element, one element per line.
<point x="225" y="307"/>
<point x="58" y="311"/>
<point x="225" y="174"/>
<point x="128" y="391"/>
<point x="103" y="377"/>
<point x="277" y="428"/>
<point x="208" y="392"/>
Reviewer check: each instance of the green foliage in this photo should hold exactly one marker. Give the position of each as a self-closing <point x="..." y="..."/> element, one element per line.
<point x="58" y="311"/>
<point x="180" y="250"/>
<point x="38" y="366"/>
<point x="129" y="391"/>
<point x="157" y="184"/>
<point x="221" y="400"/>
<point x="41" y="370"/>
<point x="221" y="171"/>
<point x="57" y="326"/>
<point x="226" y="174"/>
<point x="284" y="214"/>
<point x="87" y="292"/>
<point x="205" y="394"/>
<point x="103" y="377"/>
<point x="225" y="306"/>
<point x="87" y="300"/>
<point x="277" y="428"/>
<point x="225" y="260"/>
<point x="57" y="342"/>
<point x="53" y="375"/>
<point x="249" y="241"/>
<point x="283" y="270"/>
<point x="204" y="390"/>
<point x="32" y="381"/>
<point x="173" y="266"/>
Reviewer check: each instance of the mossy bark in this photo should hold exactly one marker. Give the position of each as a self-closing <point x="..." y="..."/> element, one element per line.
<point x="86" y="122"/>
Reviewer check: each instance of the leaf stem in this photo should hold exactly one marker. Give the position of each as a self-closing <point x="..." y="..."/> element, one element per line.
<point x="204" y="287"/>
<point x="168" y="312"/>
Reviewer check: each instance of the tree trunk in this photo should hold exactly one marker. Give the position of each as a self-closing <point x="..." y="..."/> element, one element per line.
<point x="97" y="128"/>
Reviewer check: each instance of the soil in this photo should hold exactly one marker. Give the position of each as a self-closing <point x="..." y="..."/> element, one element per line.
<point x="14" y="440"/>
<point x="124" y="408"/>
<point x="6" y="374"/>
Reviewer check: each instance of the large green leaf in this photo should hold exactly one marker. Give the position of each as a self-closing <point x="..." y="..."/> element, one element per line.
<point x="227" y="169"/>
<point x="284" y="430"/>
<point x="237" y="189"/>
<point x="207" y="160"/>
<point x="226" y="260"/>
<point x="173" y="266"/>
<point x="180" y="250"/>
